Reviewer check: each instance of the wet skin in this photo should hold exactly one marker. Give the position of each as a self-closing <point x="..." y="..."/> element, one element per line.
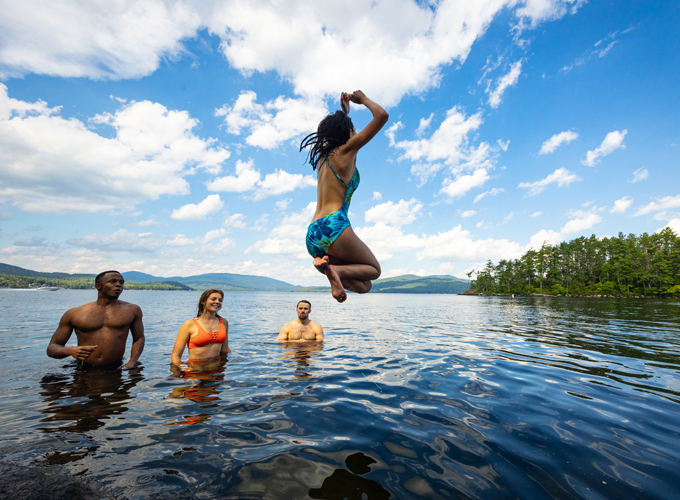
<point x="210" y="322"/>
<point x="101" y="327"/>
<point x="302" y="329"/>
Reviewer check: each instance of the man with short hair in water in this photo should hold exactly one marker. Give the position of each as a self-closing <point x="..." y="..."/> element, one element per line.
<point x="302" y="329"/>
<point x="101" y="327"/>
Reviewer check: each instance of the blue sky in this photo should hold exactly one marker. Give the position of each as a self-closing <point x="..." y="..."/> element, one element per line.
<point x="163" y="136"/>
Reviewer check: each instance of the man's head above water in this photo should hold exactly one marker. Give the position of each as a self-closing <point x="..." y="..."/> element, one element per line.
<point x="303" y="308"/>
<point x="109" y="283"/>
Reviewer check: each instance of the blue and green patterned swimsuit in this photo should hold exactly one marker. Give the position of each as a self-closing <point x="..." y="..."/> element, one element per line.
<point x="324" y="231"/>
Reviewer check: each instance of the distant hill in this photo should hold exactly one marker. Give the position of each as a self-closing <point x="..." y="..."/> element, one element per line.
<point x="408" y="283"/>
<point x="20" y="271"/>
<point x="223" y="281"/>
<point x="18" y="277"/>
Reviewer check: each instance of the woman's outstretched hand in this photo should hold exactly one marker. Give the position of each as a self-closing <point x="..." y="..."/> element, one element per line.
<point x="344" y="102"/>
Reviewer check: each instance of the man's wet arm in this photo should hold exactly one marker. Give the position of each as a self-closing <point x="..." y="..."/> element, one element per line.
<point x="283" y="334"/>
<point x="138" y="339"/>
<point x="57" y="346"/>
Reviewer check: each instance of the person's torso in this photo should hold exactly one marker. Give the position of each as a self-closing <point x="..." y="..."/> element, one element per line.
<point x="335" y="186"/>
<point x="206" y="344"/>
<point x="105" y="327"/>
<point x="297" y="331"/>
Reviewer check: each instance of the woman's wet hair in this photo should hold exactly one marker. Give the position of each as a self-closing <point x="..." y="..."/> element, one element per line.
<point x="204" y="299"/>
<point x="333" y="131"/>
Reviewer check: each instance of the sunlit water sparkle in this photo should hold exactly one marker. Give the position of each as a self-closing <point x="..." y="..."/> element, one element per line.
<point x="410" y="396"/>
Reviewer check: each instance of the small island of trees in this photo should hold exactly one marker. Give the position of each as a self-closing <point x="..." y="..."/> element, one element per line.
<point x="620" y="266"/>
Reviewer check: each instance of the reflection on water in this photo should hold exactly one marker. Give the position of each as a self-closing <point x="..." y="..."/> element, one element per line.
<point x="350" y="485"/>
<point x="205" y="378"/>
<point x="300" y="354"/>
<point x="408" y="397"/>
<point x="85" y="400"/>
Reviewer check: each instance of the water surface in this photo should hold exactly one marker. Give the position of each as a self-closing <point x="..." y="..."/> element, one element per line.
<point x="409" y="396"/>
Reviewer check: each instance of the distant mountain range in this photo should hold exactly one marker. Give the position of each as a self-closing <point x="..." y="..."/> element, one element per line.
<point x="408" y="283"/>
<point x="223" y="281"/>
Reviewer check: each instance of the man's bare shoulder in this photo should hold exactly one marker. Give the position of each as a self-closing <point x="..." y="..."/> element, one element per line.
<point x="122" y="303"/>
<point x="129" y="305"/>
<point x="288" y="326"/>
<point x="78" y="310"/>
<point x="315" y="325"/>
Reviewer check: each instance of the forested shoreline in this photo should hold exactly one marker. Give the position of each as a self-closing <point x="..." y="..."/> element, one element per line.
<point x="620" y="266"/>
<point x="14" y="281"/>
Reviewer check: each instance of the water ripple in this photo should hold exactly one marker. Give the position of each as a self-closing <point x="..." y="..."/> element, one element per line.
<point x="409" y="397"/>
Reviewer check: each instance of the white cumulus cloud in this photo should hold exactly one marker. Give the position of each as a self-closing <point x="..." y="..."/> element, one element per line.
<point x="640" y="175"/>
<point x="247" y="178"/>
<point x="612" y="142"/>
<point x="579" y="222"/>
<point x="180" y="240"/>
<point x="281" y="182"/>
<point x="386" y="240"/>
<point x="621" y="205"/>
<point x="449" y="147"/>
<point x="274" y="122"/>
<point x="660" y="204"/>
<point x="458" y="244"/>
<point x="394" y="47"/>
<point x="505" y="81"/>
<point x="397" y="214"/>
<point x="454" y="188"/>
<point x="491" y="192"/>
<point x="536" y="11"/>
<point x="99" y="40"/>
<point x="120" y="241"/>
<point x="237" y="221"/>
<point x="288" y="237"/>
<point x="49" y="164"/>
<point x="561" y="177"/>
<point x="210" y="206"/>
<point x="556" y="141"/>
<point x="673" y="224"/>
<point x="468" y="213"/>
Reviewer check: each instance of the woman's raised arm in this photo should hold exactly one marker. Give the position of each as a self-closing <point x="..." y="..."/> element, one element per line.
<point x="380" y="117"/>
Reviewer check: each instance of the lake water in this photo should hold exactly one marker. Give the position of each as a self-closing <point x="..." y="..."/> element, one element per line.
<point x="410" y="396"/>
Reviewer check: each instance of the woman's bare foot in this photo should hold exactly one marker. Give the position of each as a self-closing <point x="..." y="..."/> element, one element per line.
<point x="337" y="290"/>
<point x="320" y="263"/>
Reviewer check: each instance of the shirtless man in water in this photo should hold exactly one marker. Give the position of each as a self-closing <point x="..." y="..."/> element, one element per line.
<point x="302" y="329"/>
<point x="101" y="327"/>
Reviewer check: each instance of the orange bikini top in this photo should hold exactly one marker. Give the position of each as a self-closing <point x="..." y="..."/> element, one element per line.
<point x="204" y="338"/>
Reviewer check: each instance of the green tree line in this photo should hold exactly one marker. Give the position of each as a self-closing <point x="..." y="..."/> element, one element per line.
<point x="620" y="266"/>
<point x="13" y="281"/>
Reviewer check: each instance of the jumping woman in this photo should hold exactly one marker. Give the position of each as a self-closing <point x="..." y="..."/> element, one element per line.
<point x="338" y="252"/>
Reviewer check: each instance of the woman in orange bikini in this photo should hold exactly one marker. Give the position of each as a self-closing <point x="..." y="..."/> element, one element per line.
<point x="206" y="335"/>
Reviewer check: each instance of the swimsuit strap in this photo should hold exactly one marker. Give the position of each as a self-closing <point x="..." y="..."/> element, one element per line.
<point x="339" y="178"/>
<point x="201" y="329"/>
<point x="198" y="325"/>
